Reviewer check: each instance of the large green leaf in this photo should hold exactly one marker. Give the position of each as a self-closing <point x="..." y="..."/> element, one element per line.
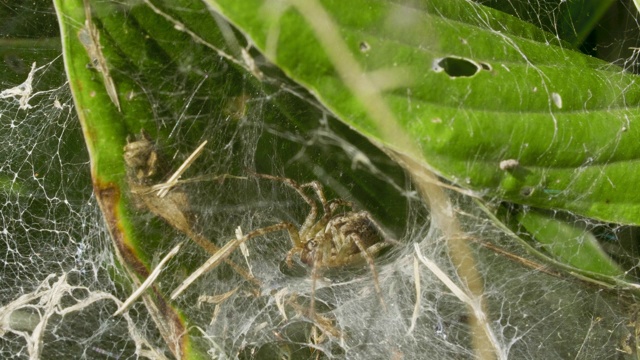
<point x="179" y="89"/>
<point x="568" y="120"/>
<point x="131" y="48"/>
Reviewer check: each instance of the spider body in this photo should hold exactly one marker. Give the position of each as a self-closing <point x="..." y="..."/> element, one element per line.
<point x="340" y="242"/>
<point x="335" y="239"/>
<point x="141" y="158"/>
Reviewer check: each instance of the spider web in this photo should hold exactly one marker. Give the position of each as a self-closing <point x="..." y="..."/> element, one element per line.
<point x="60" y="280"/>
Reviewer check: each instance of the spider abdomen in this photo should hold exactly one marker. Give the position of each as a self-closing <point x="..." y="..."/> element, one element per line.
<point x="353" y="224"/>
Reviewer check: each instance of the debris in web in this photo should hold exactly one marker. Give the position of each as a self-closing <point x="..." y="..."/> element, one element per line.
<point x="148" y="281"/>
<point x="472" y="301"/>
<point x="89" y="36"/>
<point x="173" y="179"/>
<point x="141" y="158"/>
<point x="22" y="92"/>
<point x="28" y="316"/>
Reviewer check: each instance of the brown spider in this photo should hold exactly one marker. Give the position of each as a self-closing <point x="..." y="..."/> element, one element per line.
<point x="141" y="158"/>
<point x="333" y="240"/>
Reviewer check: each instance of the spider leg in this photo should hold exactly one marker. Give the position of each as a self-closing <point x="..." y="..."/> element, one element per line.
<point x="291" y="253"/>
<point x="225" y="251"/>
<point x="336" y="203"/>
<point x="314" y="277"/>
<point x="317" y="187"/>
<point x="325" y="250"/>
<point x="329" y="208"/>
<point x="369" y="257"/>
<point x="311" y="217"/>
<point x="310" y="224"/>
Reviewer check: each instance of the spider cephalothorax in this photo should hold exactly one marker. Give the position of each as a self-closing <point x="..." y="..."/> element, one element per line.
<point x="343" y="240"/>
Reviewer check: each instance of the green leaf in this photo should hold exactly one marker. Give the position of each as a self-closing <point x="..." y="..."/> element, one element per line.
<point x="565" y="120"/>
<point x="129" y="49"/>
<point x="153" y="63"/>
<point x="569" y="243"/>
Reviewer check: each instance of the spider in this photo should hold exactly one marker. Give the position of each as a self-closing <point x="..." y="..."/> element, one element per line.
<point x="332" y="240"/>
<point x="141" y="158"/>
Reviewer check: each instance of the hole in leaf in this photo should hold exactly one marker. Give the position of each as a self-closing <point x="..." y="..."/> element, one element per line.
<point x="457" y="67"/>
